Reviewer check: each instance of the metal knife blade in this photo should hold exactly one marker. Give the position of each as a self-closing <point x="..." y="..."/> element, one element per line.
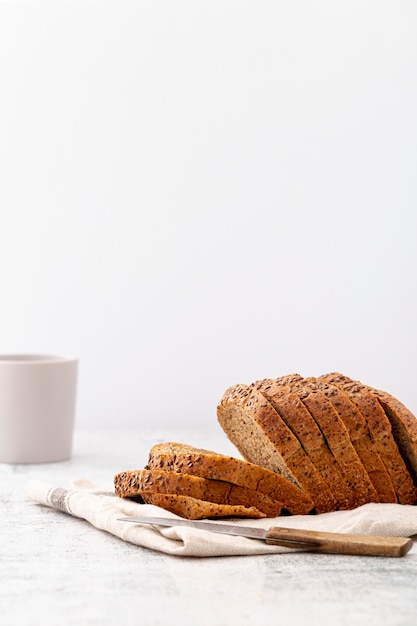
<point x="318" y="541"/>
<point x="224" y="529"/>
<point x="214" y="527"/>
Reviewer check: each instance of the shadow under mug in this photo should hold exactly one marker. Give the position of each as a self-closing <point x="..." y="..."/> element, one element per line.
<point x="37" y="407"/>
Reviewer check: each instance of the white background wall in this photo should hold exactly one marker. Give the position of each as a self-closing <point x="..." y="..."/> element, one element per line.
<point x="199" y="193"/>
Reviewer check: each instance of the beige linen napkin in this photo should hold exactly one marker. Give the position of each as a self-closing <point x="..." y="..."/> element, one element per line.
<point x="102" y="508"/>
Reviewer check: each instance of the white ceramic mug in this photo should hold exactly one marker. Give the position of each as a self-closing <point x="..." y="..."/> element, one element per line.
<point x="37" y="407"/>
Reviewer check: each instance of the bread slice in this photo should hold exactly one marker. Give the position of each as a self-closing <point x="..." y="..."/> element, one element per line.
<point x="381" y="433"/>
<point x="336" y="436"/>
<point x="339" y="441"/>
<point x="361" y="439"/>
<point x="404" y="428"/>
<point x="193" y="508"/>
<point x="187" y="459"/>
<point x="134" y="483"/>
<point x="295" y="414"/>
<point x="262" y="437"/>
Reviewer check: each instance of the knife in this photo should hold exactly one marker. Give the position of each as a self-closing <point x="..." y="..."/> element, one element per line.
<point x="317" y="541"/>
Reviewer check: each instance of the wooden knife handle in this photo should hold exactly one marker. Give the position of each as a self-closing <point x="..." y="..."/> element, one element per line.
<point x="340" y="543"/>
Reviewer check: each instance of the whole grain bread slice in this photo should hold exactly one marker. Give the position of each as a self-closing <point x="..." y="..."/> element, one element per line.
<point x="193" y="508"/>
<point x="336" y="435"/>
<point x="324" y="402"/>
<point x="361" y="439"/>
<point x="134" y="483"/>
<point x="292" y="409"/>
<point x="260" y="434"/>
<point x="381" y="432"/>
<point x="188" y="459"/>
<point x="404" y="427"/>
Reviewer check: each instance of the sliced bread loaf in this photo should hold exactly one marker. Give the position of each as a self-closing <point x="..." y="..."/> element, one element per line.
<point x="134" y="483"/>
<point x="260" y="434"/>
<point x="193" y="508"/>
<point x="381" y="433"/>
<point x="187" y="459"/>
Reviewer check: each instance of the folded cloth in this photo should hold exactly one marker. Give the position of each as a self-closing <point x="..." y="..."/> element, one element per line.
<point x="102" y="508"/>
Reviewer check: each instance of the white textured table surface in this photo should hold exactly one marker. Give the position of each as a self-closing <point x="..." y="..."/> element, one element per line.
<point x="57" y="570"/>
